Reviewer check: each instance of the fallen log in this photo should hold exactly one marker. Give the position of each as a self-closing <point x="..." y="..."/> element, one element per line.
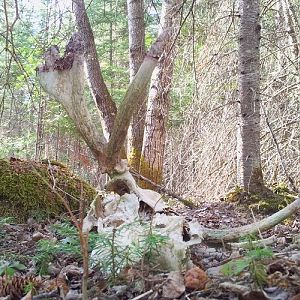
<point x="233" y="234"/>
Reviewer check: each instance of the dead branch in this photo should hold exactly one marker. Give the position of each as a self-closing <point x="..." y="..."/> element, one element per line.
<point x="232" y="234"/>
<point x="161" y="189"/>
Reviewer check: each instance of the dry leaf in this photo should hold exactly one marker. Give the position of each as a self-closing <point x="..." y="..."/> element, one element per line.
<point x="174" y="287"/>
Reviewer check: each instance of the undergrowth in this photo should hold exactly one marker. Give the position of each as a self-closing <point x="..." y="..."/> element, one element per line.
<point x="116" y="250"/>
<point x="252" y="261"/>
<point x="108" y="248"/>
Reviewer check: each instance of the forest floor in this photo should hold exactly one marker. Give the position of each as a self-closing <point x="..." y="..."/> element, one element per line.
<point x="271" y="272"/>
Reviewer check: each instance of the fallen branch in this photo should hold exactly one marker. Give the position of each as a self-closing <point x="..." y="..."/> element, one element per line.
<point x="232" y="234"/>
<point x="260" y="243"/>
<point x="53" y="294"/>
<point x="161" y="189"/>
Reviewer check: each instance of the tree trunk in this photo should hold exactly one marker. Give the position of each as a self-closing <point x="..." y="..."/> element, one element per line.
<point x="287" y="39"/>
<point x="159" y="101"/>
<point x="40" y="143"/>
<point x="136" y="28"/>
<point x="249" y="172"/>
<point x="98" y="87"/>
<point x="63" y="79"/>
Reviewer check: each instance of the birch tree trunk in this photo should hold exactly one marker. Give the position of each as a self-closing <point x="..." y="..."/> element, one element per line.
<point x="159" y="100"/>
<point x="249" y="172"/>
<point x="136" y="28"/>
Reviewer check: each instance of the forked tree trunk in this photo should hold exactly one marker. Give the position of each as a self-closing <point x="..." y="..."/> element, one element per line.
<point x="63" y="78"/>
<point x="159" y="100"/>
<point x="136" y="28"/>
<point x="249" y="172"/>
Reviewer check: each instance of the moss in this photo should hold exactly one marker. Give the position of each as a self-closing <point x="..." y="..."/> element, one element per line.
<point x="269" y="205"/>
<point x="235" y="195"/>
<point x="267" y="201"/>
<point x="24" y="191"/>
<point x="134" y="158"/>
<point x="154" y="174"/>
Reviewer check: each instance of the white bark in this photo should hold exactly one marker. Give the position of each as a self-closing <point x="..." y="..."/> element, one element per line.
<point x="67" y="87"/>
<point x="233" y="234"/>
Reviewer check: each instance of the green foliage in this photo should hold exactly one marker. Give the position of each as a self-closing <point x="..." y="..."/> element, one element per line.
<point x="5" y="221"/>
<point x="68" y="243"/>
<point x="252" y="261"/>
<point x="46" y="251"/>
<point x="280" y="188"/>
<point x="112" y="255"/>
<point x="8" y="268"/>
<point x="115" y="256"/>
<point x="30" y="286"/>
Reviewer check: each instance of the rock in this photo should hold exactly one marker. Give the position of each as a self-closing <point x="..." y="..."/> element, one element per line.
<point x="296" y="258"/>
<point x="37" y="236"/>
<point x="215" y="272"/>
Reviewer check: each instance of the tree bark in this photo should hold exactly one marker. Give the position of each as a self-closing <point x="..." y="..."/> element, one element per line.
<point x="63" y="79"/>
<point x="132" y="97"/>
<point x="249" y="172"/>
<point x="40" y="143"/>
<point x="67" y="87"/>
<point x="151" y="165"/>
<point x="98" y="87"/>
<point x="136" y="28"/>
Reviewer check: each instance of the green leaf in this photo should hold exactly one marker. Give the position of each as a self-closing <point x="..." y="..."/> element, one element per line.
<point x="235" y="267"/>
<point x="18" y="266"/>
<point x="10" y="271"/>
<point x="2" y="269"/>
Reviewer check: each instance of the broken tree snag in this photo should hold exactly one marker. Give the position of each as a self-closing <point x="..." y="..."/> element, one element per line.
<point x="232" y="234"/>
<point x="134" y="92"/>
<point x="63" y="79"/>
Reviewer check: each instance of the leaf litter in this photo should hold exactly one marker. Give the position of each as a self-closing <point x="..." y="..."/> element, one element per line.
<point x="222" y="271"/>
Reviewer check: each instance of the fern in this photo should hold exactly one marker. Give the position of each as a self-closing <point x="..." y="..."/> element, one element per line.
<point x="46" y="251"/>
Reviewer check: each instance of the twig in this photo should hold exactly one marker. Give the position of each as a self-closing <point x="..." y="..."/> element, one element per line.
<point x="52" y="294"/>
<point x="162" y="189"/>
<point x="83" y="237"/>
<point x="290" y="180"/>
<point x="259" y="243"/>
<point x="143" y="295"/>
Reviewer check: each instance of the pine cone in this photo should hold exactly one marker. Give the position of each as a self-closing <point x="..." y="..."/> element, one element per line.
<point x="14" y="286"/>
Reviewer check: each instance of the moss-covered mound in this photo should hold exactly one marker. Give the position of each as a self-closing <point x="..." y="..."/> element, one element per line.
<point x="29" y="189"/>
<point x="270" y="201"/>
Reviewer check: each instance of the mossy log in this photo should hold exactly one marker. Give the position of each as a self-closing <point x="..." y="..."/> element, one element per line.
<point x="30" y="189"/>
